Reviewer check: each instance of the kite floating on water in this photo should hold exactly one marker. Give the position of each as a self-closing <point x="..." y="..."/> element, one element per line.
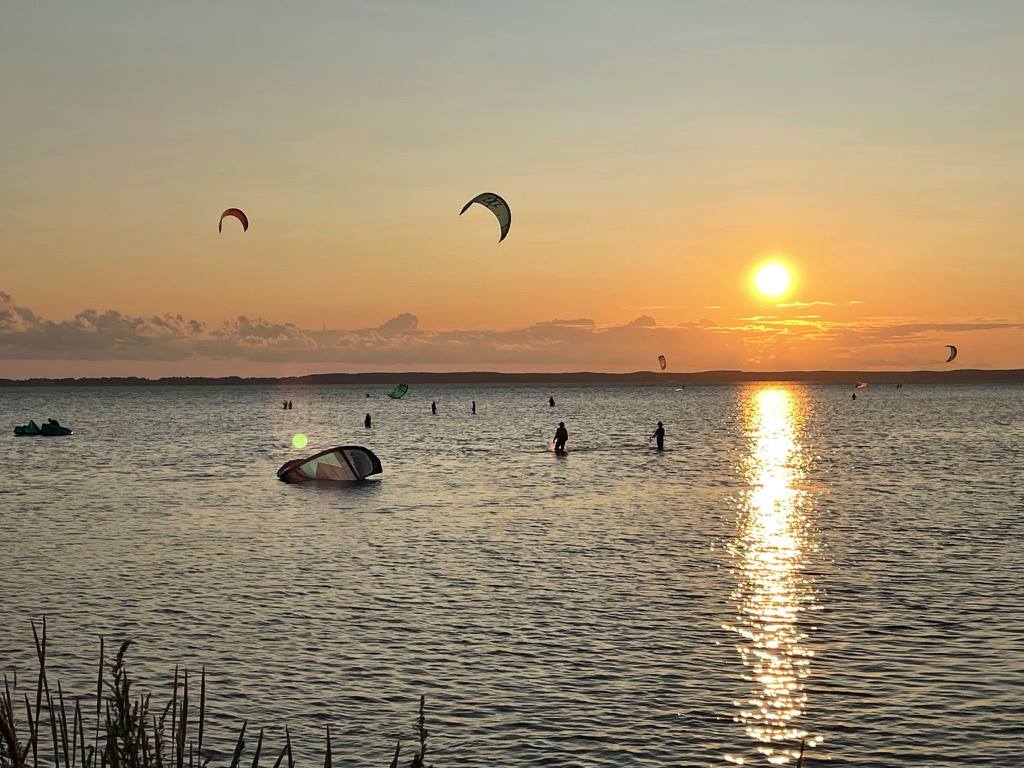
<point x="662" y="362"/>
<point x="238" y="214"/>
<point x="862" y="385"/>
<point x="346" y="464"/>
<point x="398" y="392"/>
<point x="952" y="353"/>
<point x="498" y="207"/>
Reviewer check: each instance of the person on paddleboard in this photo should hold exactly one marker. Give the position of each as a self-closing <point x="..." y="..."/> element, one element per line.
<point x="561" y="437"/>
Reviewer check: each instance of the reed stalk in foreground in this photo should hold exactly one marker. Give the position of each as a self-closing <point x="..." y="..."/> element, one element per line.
<point x="127" y="731"/>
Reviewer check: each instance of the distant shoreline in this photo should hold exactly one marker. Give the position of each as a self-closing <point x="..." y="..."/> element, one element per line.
<point x="959" y="376"/>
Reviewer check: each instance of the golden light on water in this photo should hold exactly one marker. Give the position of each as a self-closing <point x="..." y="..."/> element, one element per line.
<point x="771" y="593"/>
<point x="299" y="441"/>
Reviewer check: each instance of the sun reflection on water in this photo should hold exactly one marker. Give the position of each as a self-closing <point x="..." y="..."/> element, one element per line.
<point x="771" y="593"/>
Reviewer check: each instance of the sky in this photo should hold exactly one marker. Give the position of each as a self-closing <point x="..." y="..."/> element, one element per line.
<point x="654" y="154"/>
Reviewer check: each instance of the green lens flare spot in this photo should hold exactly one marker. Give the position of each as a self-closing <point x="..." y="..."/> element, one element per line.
<point x="299" y="441"/>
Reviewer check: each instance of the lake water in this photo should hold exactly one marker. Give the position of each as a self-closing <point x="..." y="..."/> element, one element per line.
<point x="796" y="566"/>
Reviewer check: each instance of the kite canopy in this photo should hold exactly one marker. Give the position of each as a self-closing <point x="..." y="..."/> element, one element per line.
<point x="862" y="385"/>
<point x="238" y="215"/>
<point x="662" y="362"/>
<point x="498" y="207"/>
<point x="952" y="353"/>
<point x="398" y="392"/>
<point x="345" y="464"/>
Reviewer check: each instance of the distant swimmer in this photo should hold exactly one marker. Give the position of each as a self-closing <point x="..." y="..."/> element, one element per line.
<point x="289" y="405"/>
<point x="551" y="402"/>
<point x="284" y="405"/>
<point x="659" y="435"/>
<point x="367" y="421"/>
<point x="474" y="408"/>
<point x="561" y="437"/>
<point x="367" y="394"/>
<point x="433" y="407"/>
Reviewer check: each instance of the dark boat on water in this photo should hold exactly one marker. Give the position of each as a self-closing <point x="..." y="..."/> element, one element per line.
<point x="52" y="428"/>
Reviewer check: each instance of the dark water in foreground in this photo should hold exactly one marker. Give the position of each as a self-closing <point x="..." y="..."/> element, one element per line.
<point x="796" y="565"/>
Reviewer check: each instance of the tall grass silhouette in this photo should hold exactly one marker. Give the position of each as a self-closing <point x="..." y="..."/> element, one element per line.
<point x="128" y="731"/>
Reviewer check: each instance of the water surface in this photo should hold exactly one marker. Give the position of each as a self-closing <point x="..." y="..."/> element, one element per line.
<point x="795" y="567"/>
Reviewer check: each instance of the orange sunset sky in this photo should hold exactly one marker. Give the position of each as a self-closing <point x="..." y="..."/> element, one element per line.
<point x="653" y="154"/>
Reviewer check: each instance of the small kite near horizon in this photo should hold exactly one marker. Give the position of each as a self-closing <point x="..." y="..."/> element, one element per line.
<point x="236" y="213"/>
<point x="952" y="353"/>
<point x="398" y="392"/>
<point x="498" y="207"/>
<point x="662" y="362"/>
<point x="862" y="385"/>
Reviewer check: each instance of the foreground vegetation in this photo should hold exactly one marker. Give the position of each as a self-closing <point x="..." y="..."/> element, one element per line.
<point x="128" y="731"/>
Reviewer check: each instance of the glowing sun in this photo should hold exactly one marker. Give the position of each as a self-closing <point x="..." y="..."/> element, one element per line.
<point x="772" y="280"/>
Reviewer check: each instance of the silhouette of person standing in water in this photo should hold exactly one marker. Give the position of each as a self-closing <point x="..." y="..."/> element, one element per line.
<point x="433" y="407"/>
<point x="561" y="437"/>
<point x="474" y="408"/>
<point x="659" y="435"/>
<point x="367" y="421"/>
<point x="551" y="402"/>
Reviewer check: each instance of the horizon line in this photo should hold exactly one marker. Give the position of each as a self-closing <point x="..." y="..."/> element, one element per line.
<point x="717" y="376"/>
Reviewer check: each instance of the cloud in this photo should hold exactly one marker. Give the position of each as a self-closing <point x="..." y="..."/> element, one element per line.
<point x="881" y="331"/>
<point x="768" y="341"/>
<point x="563" y="343"/>
<point x="802" y="304"/>
<point x="90" y="334"/>
<point x="582" y="322"/>
<point x="402" y="323"/>
<point x="644" y="321"/>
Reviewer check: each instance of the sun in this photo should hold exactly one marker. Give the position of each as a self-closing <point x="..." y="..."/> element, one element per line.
<point x="772" y="279"/>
